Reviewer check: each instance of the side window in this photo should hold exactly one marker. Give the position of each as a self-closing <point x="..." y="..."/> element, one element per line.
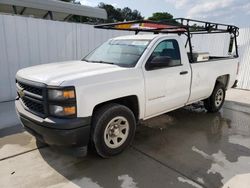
<point x="166" y="54"/>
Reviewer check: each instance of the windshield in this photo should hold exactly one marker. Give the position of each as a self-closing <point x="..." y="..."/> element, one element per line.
<point x="119" y="52"/>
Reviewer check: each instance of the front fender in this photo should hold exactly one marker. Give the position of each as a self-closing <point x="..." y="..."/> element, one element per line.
<point x="102" y="88"/>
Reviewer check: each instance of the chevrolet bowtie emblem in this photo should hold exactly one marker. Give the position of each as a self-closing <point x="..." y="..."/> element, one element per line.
<point x="21" y="93"/>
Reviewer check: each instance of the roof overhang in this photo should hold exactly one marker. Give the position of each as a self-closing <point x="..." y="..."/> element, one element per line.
<point x="61" y="10"/>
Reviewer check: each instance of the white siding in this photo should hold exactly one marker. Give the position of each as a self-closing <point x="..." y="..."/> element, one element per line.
<point x="215" y="44"/>
<point x="244" y="52"/>
<point x="28" y="41"/>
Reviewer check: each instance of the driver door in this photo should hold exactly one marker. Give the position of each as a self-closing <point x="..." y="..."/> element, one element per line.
<point x="167" y="78"/>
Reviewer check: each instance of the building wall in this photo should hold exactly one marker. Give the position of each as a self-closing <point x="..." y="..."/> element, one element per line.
<point x="215" y="44"/>
<point x="244" y="52"/>
<point x="28" y="41"/>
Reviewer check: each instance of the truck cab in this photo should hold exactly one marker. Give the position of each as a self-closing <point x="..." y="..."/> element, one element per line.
<point x="100" y="99"/>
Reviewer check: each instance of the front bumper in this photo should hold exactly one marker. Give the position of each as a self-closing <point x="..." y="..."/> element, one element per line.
<point x="73" y="133"/>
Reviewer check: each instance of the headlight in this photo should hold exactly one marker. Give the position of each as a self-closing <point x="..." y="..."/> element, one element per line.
<point x="55" y="94"/>
<point x="62" y="110"/>
<point x="62" y="101"/>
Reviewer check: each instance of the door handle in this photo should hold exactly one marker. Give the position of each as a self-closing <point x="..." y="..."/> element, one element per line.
<point x="183" y="72"/>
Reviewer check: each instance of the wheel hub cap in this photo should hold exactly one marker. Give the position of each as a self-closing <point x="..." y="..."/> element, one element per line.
<point x="219" y="97"/>
<point x="116" y="132"/>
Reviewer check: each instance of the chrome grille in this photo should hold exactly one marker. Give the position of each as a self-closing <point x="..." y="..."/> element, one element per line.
<point x="32" y="97"/>
<point x="34" y="106"/>
<point x="31" y="89"/>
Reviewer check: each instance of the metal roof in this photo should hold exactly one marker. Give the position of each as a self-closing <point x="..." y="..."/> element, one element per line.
<point x="57" y="10"/>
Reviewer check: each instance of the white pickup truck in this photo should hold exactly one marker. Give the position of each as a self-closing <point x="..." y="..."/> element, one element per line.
<point x="99" y="99"/>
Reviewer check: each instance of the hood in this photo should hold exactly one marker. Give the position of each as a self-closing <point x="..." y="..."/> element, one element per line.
<point x="56" y="73"/>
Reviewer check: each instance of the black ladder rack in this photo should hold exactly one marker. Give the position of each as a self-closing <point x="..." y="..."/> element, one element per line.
<point x="179" y="26"/>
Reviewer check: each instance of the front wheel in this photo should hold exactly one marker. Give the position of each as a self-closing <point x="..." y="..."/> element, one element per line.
<point x="113" y="129"/>
<point x="216" y="100"/>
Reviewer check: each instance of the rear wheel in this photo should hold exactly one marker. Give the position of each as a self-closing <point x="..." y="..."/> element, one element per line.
<point x="113" y="129"/>
<point x="216" y="100"/>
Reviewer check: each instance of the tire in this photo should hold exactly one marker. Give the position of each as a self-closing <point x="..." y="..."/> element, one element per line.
<point x="216" y="100"/>
<point x="113" y="129"/>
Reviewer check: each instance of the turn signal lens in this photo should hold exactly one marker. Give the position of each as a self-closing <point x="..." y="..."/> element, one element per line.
<point x="69" y="110"/>
<point x="62" y="110"/>
<point x="69" y="94"/>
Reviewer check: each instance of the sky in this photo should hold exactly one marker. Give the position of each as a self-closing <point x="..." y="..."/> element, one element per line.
<point x="235" y="12"/>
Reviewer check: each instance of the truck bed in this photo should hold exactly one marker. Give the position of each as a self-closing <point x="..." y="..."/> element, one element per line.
<point x="205" y="73"/>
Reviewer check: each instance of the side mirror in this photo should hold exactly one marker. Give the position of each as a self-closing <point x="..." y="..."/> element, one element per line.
<point x="158" y="62"/>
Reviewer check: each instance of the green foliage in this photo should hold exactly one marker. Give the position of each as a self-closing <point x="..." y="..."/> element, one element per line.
<point x="160" y="16"/>
<point x="129" y="15"/>
<point x="114" y="14"/>
<point x="117" y="14"/>
<point x="163" y="17"/>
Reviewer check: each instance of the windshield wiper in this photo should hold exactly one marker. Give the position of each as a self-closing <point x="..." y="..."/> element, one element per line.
<point x="85" y="60"/>
<point x="103" y="62"/>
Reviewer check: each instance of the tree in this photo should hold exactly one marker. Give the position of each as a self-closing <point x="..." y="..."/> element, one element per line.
<point x="113" y="13"/>
<point x="163" y="16"/>
<point x="129" y="15"/>
<point x="117" y="14"/>
<point x="136" y="15"/>
<point x="160" y="16"/>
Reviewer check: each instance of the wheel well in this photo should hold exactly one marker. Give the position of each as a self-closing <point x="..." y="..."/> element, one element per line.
<point x="129" y="101"/>
<point x="224" y="79"/>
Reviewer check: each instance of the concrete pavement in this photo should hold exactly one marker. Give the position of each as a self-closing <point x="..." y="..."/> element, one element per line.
<point x="184" y="148"/>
